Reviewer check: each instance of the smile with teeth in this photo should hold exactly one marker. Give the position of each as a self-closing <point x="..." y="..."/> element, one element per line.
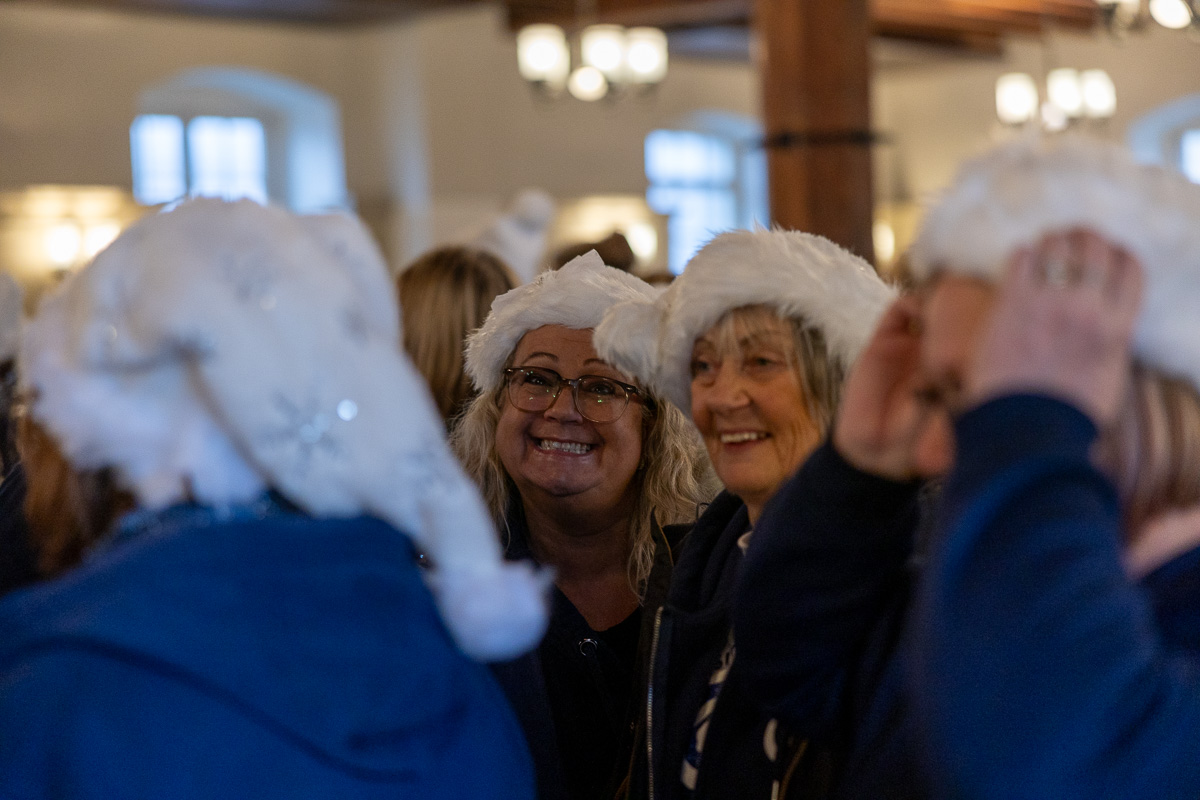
<point x="575" y="448"/>
<point x="742" y="436"/>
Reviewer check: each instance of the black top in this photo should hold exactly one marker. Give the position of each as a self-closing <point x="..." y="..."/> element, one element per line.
<point x="18" y="562"/>
<point x="577" y="695"/>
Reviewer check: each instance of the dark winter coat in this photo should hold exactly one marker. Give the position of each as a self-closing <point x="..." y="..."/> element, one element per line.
<point x="579" y="693"/>
<point x="255" y="654"/>
<point x="746" y="754"/>
<point x="821" y="617"/>
<point x="1044" y="671"/>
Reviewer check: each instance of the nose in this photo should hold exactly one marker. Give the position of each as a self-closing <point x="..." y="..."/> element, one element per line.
<point x="727" y="391"/>
<point x="933" y="450"/>
<point x="563" y="408"/>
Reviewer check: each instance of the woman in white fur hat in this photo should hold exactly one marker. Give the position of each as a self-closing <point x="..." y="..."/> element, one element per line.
<point x="580" y="464"/>
<point x="258" y="627"/>
<point x="753" y="339"/>
<point x="1058" y="628"/>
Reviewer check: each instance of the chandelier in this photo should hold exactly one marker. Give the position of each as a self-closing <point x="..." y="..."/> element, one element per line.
<point x="1071" y="96"/>
<point x="1121" y="16"/>
<point x="609" y="60"/>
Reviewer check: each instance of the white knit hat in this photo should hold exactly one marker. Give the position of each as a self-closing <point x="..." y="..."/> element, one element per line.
<point x="221" y="348"/>
<point x="800" y="275"/>
<point x="575" y="296"/>
<point x="1015" y="194"/>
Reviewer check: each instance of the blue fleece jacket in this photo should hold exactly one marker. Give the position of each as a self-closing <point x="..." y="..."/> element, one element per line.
<point x="1042" y="670"/>
<point x="200" y="656"/>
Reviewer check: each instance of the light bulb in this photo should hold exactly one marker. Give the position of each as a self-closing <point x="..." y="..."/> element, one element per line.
<point x="643" y="240"/>
<point x="542" y="54"/>
<point x="63" y="243"/>
<point x="1173" y="14"/>
<point x="1016" y="98"/>
<point x="885" y="241"/>
<point x="587" y="83"/>
<point x="1099" y="94"/>
<point x="646" y="55"/>
<point x="1064" y="90"/>
<point x="603" y="47"/>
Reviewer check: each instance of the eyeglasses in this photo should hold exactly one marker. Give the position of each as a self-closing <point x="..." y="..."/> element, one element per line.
<point x="596" y="399"/>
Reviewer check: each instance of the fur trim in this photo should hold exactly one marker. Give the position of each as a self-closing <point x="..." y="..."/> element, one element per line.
<point x="800" y="275"/>
<point x="1014" y="195"/>
<point x="576" y="296"/>
<point x="219" y="349"/>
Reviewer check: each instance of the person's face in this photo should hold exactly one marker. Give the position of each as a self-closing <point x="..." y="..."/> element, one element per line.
<point x="751" y="410"/>
<point x="557" y="456"/>
<point x="953" y="315"/>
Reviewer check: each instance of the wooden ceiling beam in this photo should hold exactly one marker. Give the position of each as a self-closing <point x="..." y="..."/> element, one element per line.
<point x="952" y="21"/>
<point x="334" y="12"/>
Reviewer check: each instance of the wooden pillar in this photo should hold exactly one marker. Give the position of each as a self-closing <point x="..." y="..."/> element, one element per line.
<point x="815" y="68"/>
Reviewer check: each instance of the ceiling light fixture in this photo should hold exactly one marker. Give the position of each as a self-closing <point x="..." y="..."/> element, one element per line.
<point x="611" y="60"/>
<point x="1123" y="16"/>
<point x="1070" y="96"/>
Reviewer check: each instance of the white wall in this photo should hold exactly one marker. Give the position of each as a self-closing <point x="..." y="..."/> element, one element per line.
<point x="439" y="128"/>
<point x="70" y="78"/>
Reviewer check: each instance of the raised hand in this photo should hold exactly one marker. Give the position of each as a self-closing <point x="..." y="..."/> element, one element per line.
<point x="880" y="416"/>
<point x="1062" y="325"/>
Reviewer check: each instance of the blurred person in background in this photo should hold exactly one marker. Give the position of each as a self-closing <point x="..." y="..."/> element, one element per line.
<point x="1057" y="633"/>
<point x="257" y="626"/>
<point x="588" y="472"/>
<point x="445" y="295"/>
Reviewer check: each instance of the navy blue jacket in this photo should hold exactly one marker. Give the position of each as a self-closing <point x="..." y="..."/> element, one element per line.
<point x="820" y="616"/>
<point x="1043" y="670"/>
<point x="255" y="655"/>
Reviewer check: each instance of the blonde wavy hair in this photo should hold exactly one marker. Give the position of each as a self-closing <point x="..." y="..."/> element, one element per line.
<point x="674" y="476"/>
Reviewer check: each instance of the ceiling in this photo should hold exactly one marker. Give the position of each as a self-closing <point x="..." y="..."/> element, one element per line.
<point x="977" y="24"/>
<point x="306" y="11"/>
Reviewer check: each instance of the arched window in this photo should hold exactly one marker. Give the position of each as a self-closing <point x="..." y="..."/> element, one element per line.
<point x="1170" y="135"/>
<point x="707" y="175"/>
<point x="238" y="133"/>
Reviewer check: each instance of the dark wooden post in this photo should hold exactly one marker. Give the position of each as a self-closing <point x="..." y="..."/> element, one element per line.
<point x="815" y="67"/>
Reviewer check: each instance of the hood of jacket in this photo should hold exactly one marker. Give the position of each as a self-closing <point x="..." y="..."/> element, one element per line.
<point x="321" y="630"/>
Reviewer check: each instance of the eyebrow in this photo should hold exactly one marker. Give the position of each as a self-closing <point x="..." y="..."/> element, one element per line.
<point x="550" y="356"/>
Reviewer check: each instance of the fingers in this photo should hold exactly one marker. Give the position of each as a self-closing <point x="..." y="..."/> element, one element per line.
<point x="902" y="317"/>
<point x="1126" y="290"/>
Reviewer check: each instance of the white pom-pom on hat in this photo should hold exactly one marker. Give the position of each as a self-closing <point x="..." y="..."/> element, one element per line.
<point x="800" y="275"/>
<point x="1015" y="194"/>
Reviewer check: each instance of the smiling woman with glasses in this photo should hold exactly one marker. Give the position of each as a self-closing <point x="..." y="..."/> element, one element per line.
<point x="582" y="468"/>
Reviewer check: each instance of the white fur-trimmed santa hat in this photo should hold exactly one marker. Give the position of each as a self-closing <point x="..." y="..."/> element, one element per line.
<point x="800" y="275"/>
<point x="576" y="296"/>
<point x="1015" y="194"/>
<point x="220" y="349"/>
